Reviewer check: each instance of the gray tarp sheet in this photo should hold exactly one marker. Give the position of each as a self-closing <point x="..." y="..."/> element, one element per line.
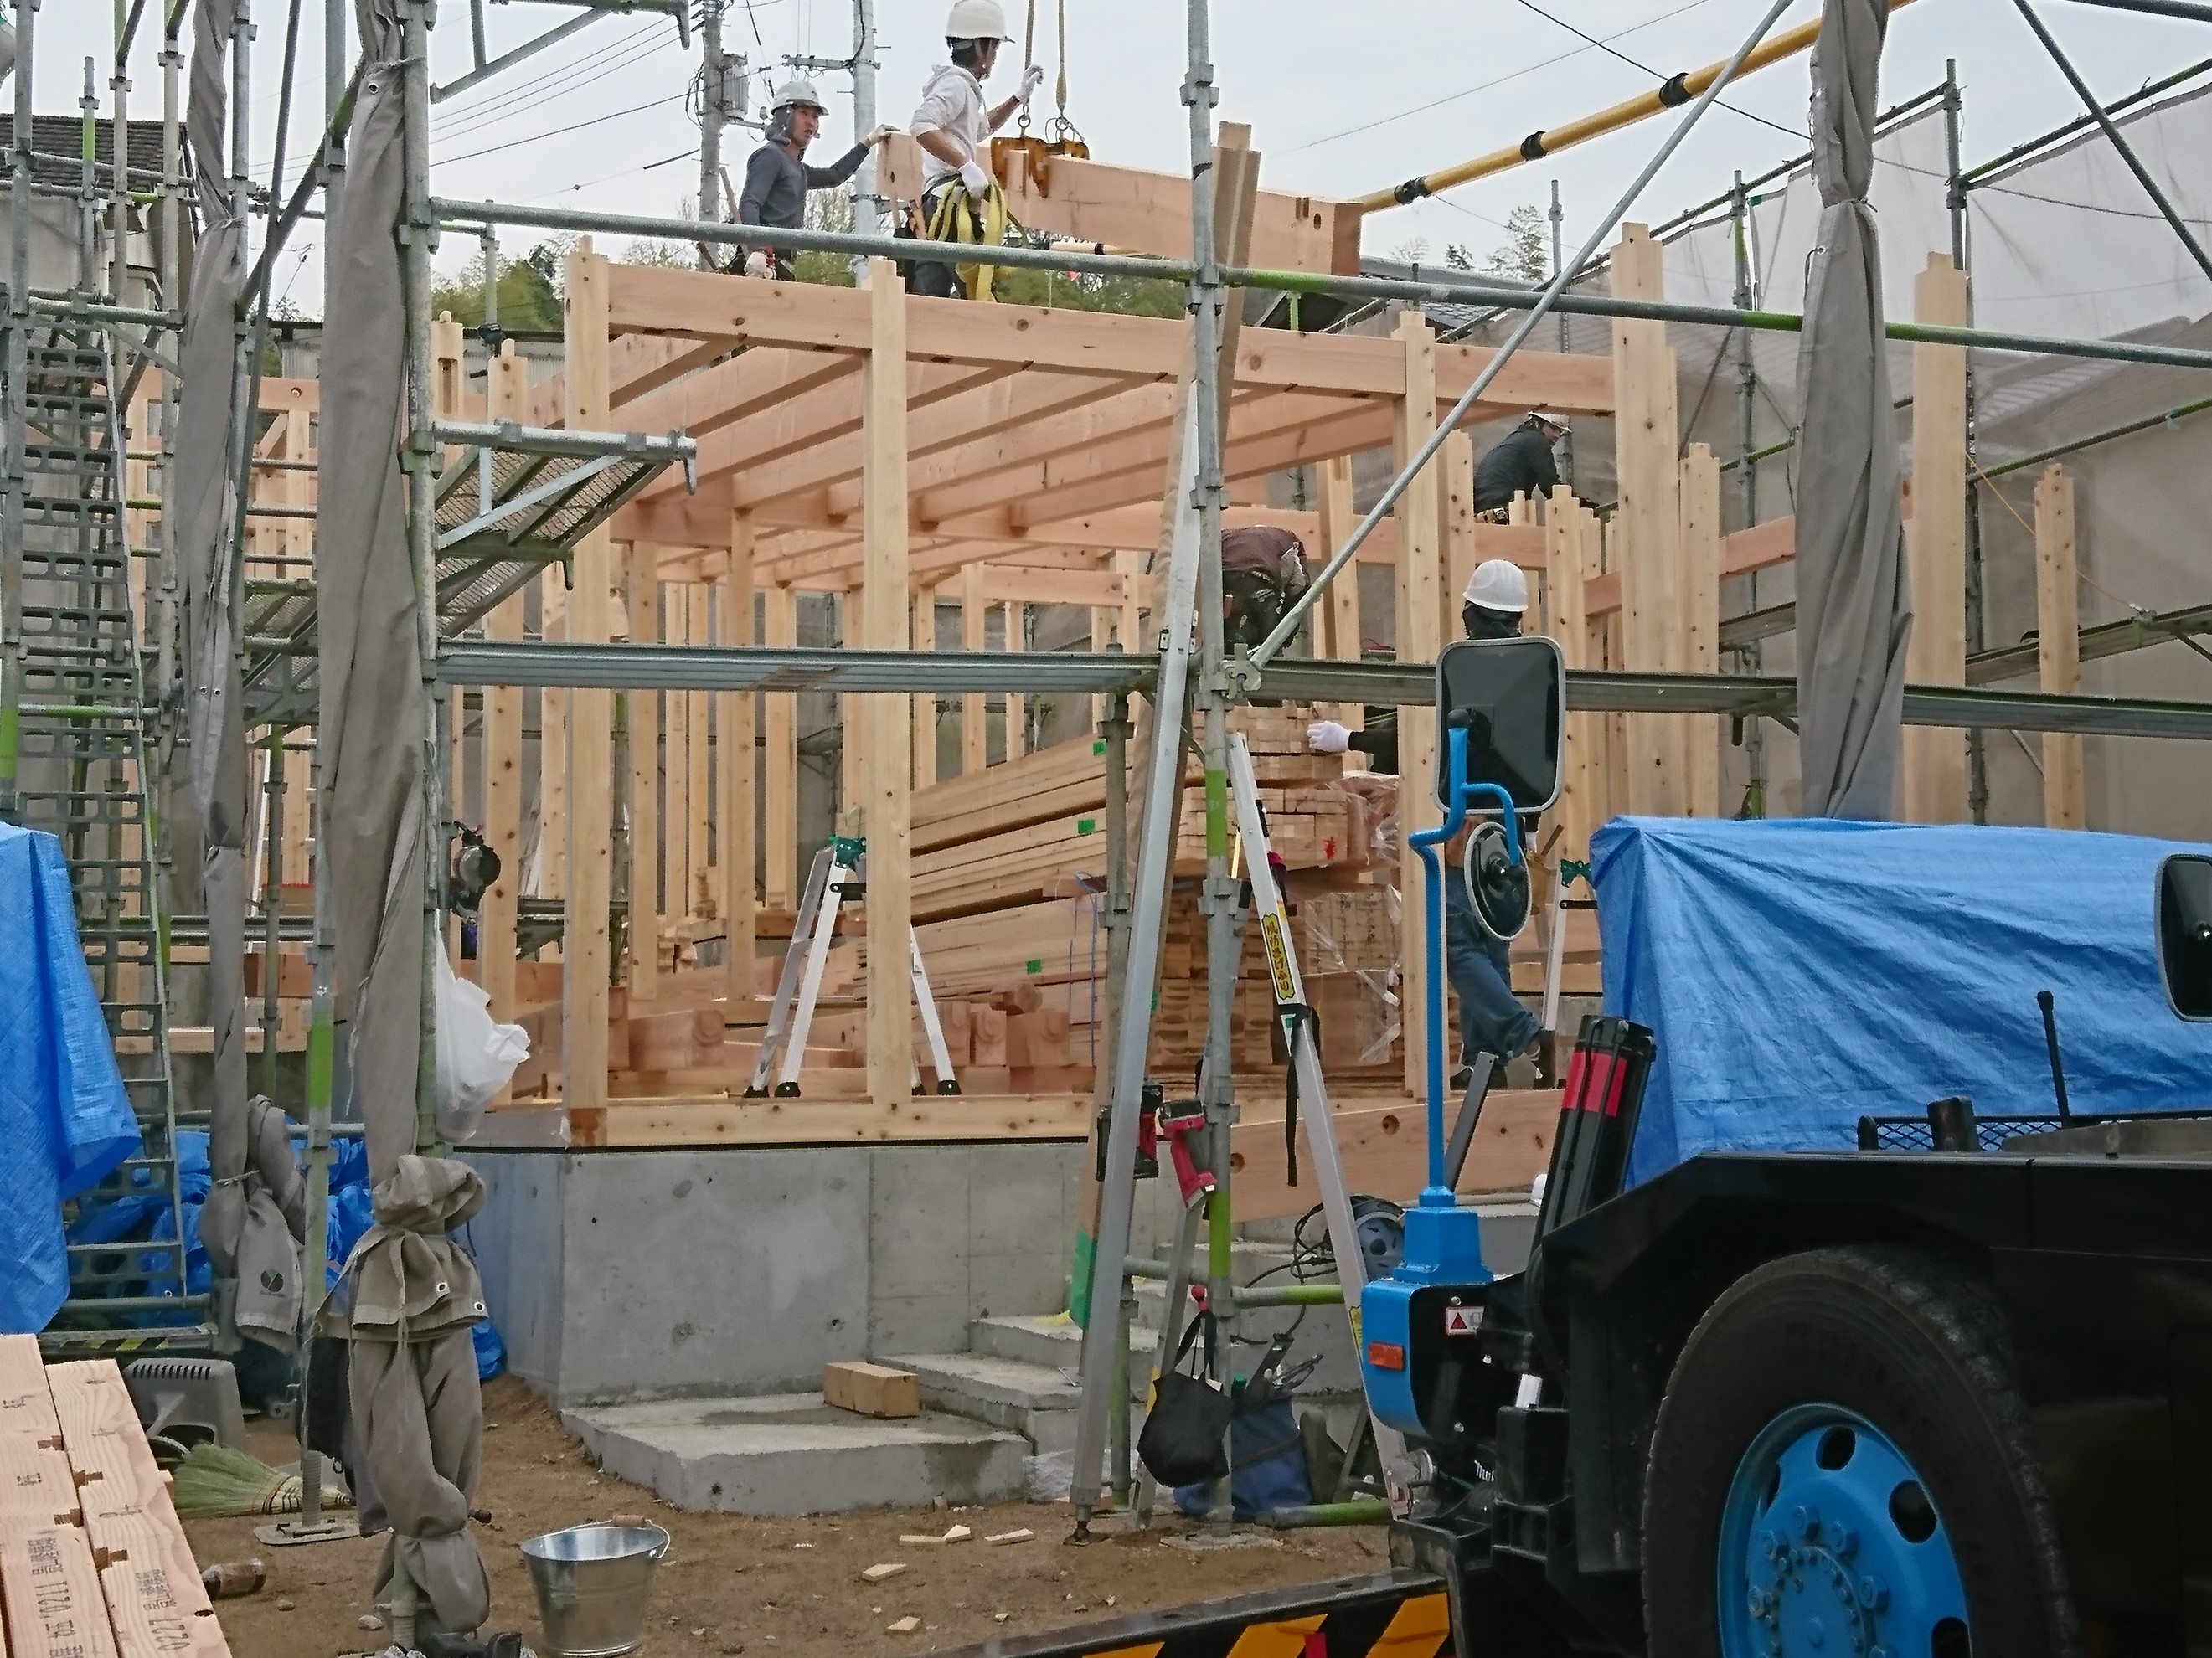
<point x="205" y="514"/>
<point x="371" y="732"/>
<point x="1854" y="601"/>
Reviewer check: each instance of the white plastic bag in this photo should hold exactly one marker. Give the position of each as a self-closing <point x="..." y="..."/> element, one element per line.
<point x="476" y="1053"/>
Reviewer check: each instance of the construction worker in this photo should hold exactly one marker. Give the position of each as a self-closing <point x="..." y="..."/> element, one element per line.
<point x="1263" y="572"/>
<point x="777" y="177"/>
<point x="1521" y="464"/>
<point x="954" y="129"/>
<point x="1479" y="967"/>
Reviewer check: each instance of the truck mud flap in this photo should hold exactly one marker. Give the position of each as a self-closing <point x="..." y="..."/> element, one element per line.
<point x="1395" y="1614"/>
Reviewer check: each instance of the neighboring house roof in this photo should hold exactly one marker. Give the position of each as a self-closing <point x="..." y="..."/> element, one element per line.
<point x="58" y="142"/>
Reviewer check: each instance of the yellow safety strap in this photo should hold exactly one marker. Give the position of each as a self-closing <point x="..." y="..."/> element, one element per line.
<point x="955" y="221"/>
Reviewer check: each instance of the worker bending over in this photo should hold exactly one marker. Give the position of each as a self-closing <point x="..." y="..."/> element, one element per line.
<point x="1479" y="967"/>
<point x="954" y="129"/>
<point x="1263" y="573"/>
<point x="1521" y="464"/>
<point x="777" y="177"/>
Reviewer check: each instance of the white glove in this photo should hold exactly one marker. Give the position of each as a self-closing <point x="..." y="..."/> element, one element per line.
<point x="880" y="135"/>
<point x="977" y="181"/>
<point x="1327" y="737"/>
<point x="759" y="264"/>
<point x="1032" y="78"/>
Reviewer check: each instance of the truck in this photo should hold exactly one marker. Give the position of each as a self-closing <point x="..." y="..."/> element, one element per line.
<point x="1948" y="1394"/>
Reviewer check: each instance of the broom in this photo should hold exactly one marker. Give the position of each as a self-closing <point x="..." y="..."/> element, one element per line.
<point x="215" y="1482"/>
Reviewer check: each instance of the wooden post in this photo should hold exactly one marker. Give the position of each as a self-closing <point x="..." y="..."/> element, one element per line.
<point x="2058" y="643"/>
<point x="1699" y="626"/>
<point x="739" y="922"/>
<point x="1130" y="629"/>
<point x="699" y="601"/>
<point x="975" y="748"/>
<point x="508" y="399"/>
<point x="591" y="715"/>
<point x="1340" y="622"/>
<point x="1017" y="721"/>
<point x="780" y="754"/>
<point x="676" y="768"/>
<point x="1562" y="594"/>
<point x="1420" y="567"/>
<point x="886" y="800"/>
<point x="1457" y="530"/>
<point x="1648" y="523"/>
<point x="925" y="705"/>
<point x="552" y="749"/>
<point x="642" y="597"/>
<point x="1936" y="535"/>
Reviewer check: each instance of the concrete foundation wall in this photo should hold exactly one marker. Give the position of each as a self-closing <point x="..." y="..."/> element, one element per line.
<point x="625" y="1275"/>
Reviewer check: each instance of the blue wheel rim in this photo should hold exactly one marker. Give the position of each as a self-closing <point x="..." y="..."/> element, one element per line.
<point x="1831" y="1547"/>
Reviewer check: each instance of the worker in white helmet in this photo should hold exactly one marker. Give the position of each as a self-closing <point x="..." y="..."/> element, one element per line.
<point x="1521" y="464"/>
<point x="1491" y="1020"/>
<point x="777" y="177"/>
<point x="954" y="128"/>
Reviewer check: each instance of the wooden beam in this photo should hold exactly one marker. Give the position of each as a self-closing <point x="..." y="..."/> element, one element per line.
<point x="975" y="613"/>
<point x="1700" y="625"/>
<point x="780" y="754"/>
<point x="1647" y="527"/>
<point x="641" y="596"/>
<point x="739" y="801"/>
<point x="2058" y="644"/>
<point x="591" y="735"/>
<point x="1420" y="567"/>
<point x="888" y="798"/>
<point x="1935" y="536"/>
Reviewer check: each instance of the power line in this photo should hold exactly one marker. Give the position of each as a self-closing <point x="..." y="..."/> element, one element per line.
<point x="1646" y="69"/>
<point x="575" y="126"/>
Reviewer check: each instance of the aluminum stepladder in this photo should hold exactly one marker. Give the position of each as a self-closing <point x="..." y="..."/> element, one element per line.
<point x="833" y="881"/>
<point x="1273" y="914"/>
<point x="1569" y="871"/>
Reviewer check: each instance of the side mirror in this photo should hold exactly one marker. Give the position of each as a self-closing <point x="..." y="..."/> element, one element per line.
<point x="2184" y="933"/>
<point x="1511" y="695"/>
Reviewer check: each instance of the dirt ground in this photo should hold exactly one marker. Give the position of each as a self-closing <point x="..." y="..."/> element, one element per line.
<point x="774" y="1589"/>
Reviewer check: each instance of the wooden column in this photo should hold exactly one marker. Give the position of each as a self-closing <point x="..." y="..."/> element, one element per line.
<point x="1017" y="721"/>
<point x="1647" y="525"/>
<point x="1419" y="568"/>
<point x="552" y="750"/>
<point x="1935" y="537"/>
<point x="1564" y="535"/>
<point x="779" y="756"/>
<point x="1102" y="630"/>
<point x="676" y="767"/>
<point x="1457" y="530"/>
<point x="591" y="716"/>
<point x="642" y="597"/>
<point x="924" y="706"/>
<point x="1341" y="609"/>
<point x="740" y="802"/>
<point x="2058" y="643"/>
<point x="975" y="612"/>
<point x="886" y="800"/>
<point x="1130" y="627"/>
<point x="510" y="399"/>
<point x="1699" y="626"/>
<point x="699" y="600"/>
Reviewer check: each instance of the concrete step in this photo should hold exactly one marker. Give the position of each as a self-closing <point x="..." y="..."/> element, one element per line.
<point x="1053" y="1340"/>
<point x="792" y="1453"/>
<point x="1037" y="1402"/>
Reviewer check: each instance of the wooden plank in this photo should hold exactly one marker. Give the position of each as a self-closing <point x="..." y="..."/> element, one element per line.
<point x="871" y="1389"/>
<point x="38" y="1487"/>
<point x="51" y="1587"/>
<point x="1700" y="625"/>
<point x="1419" y="570"/>
<point x="642" y="598"/>
<point x="1936" y="535"/>
<point x="975" y="614"/>
<point x="1647" y="525"/>
<point x="725" y="1121"/>
<point x="887" y="797"/>
<point x="780" y="757"/>
<point x="739" y="830"/>
<point x="502" y="749"/>
<point x="2058" y="644"/>
<point x="1385" y="1153"/>
<point x="585" y="941"/>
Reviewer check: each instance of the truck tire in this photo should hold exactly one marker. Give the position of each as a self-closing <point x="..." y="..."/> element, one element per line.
<point x="1842" y="1464"/>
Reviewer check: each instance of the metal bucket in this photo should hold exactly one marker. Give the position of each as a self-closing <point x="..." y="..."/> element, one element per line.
<point x="593" y="1584"/>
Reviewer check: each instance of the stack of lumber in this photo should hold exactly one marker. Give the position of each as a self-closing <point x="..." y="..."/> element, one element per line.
<point x="94" y="1561"/>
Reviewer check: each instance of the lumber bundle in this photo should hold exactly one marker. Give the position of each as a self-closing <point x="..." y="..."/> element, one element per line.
<point x="94" y="1561"/>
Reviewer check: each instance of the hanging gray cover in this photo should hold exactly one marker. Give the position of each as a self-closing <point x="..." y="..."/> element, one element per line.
<point x="370" y="736"/>
<point x="206" y="510"/>
<point x="1854" y="600"/>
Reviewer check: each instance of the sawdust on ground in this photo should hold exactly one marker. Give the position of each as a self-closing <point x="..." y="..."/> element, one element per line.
<point x="772" y="1589"/>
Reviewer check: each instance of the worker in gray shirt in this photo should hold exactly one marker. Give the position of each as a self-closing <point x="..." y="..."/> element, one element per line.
<point x="777" y="177"/>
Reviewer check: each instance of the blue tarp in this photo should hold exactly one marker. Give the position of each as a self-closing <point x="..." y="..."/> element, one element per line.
<point x="1800" y="974"/>
<point x="66" y="1122"/>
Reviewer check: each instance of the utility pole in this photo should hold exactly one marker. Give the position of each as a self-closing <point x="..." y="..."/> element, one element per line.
<point x="867" y="205"/>
<point x="713" y="79"/>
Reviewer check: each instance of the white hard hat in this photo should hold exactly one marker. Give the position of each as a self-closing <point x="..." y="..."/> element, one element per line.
<point x="977" y="20"/>
<point x="796" y="92"/>
<point x="1498" y="585"/>
<point x="1550" y="417"/>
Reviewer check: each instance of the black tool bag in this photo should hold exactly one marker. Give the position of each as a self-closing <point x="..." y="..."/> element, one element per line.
<point x="1186" y="1432"/>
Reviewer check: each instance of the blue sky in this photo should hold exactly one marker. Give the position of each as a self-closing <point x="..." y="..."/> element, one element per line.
<point x="1343" y="98"/>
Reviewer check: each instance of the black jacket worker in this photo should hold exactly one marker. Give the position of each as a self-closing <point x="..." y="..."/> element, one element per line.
<point x="1520" y="465"/>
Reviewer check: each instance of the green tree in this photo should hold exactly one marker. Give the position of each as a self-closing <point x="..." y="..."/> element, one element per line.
<point x="831" y="210"/>
<point x="1526" y="255"/>
<point x="529" y="291"/>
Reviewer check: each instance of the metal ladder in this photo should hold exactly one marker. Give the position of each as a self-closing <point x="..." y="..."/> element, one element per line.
<point x="82" y="771"/>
